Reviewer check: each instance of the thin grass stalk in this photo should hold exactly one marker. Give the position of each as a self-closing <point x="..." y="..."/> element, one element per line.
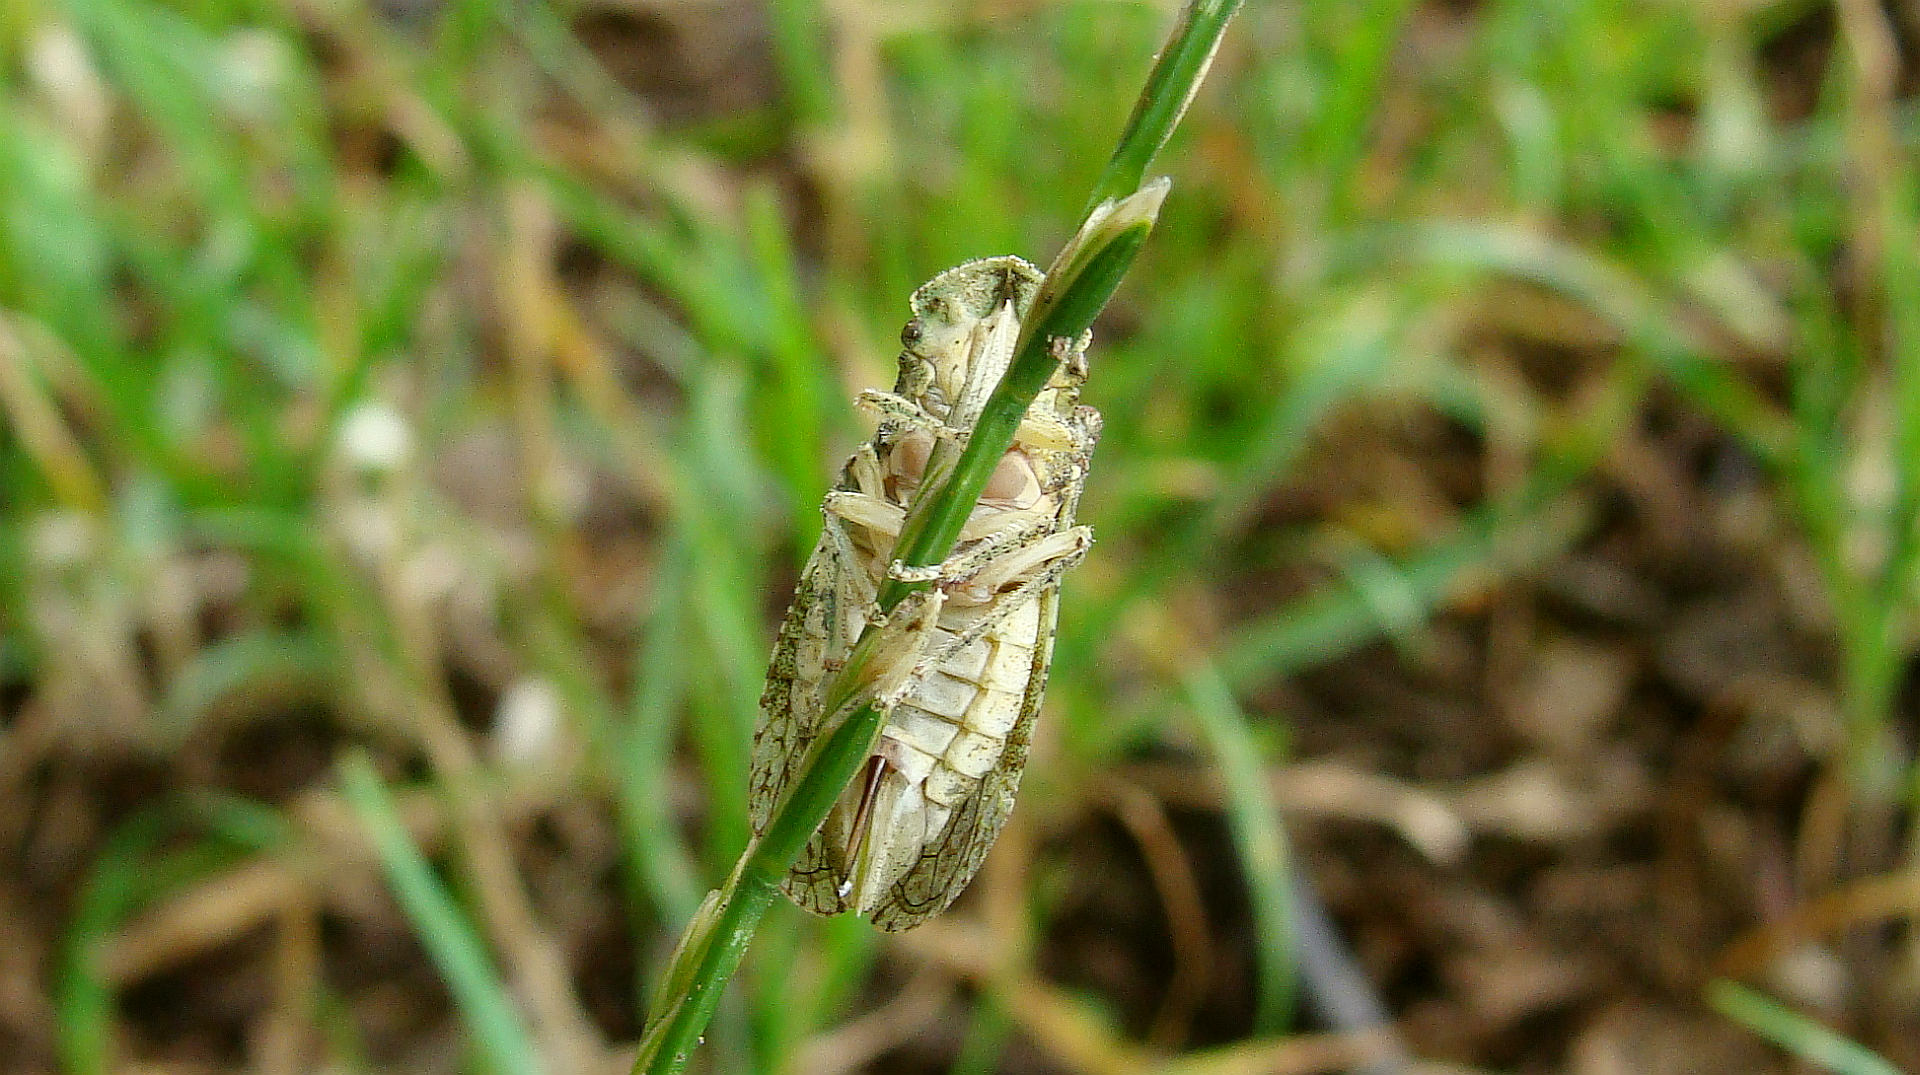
<point x="1805" y="1038"/>
<point x="1077" y="287"/>
<point x="505" y="1046"/>
<point x="1171" y="85"/>
<point x="1263" y="842"/>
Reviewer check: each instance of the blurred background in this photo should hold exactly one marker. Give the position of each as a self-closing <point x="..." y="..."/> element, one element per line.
<point x="413" y="416"/>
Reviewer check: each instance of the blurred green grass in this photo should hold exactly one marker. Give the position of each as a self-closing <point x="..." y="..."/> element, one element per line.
<point x="345" y="353"/>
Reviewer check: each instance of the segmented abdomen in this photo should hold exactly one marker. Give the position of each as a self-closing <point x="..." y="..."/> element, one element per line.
<point x="952" y="727"/>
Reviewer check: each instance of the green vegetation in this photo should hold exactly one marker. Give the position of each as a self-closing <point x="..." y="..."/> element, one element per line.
<point x="457" y="382"/>
<point x="1804" y="1037"/>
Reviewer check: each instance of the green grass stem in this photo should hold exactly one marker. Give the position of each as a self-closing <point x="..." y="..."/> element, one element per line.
<point x="450" y="939"/>
<point x="714" y="945"/>
<point x="1803" y="1037"/>
<point x="1078" y="285"/>
<point x="1171" y="85"/>
<point x="1255" y="822"/>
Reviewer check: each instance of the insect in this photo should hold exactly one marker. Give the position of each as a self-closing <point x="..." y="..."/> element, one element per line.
<point x="967" y="665"/>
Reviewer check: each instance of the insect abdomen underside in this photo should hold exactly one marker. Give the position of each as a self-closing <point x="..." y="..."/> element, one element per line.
<point x="954" y="749"/>
<point x="958" y="743"/>
<point x="904" y="840"/>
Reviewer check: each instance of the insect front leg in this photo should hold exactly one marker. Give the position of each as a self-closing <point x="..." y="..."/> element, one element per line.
<point x="898" y="651"/>
<point x="903" y="630"/>
<point x="907" y="412"/>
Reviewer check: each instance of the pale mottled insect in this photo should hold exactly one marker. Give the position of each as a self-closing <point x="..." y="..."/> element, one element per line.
<point x="969" y="663"/>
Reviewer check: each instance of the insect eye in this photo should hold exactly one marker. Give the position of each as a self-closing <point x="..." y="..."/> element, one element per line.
<point x="911" y="334"/>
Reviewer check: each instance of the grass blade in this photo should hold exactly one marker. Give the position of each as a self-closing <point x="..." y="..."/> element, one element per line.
<point x="1797" y="1034"/>
<point x="1256" y="830"/>
<point x="450" y="939"/>
<point x="1171" y="86"/>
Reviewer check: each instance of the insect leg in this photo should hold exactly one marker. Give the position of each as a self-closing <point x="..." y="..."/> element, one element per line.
<point x="867" y="509"/>
<point x="1055" y="556"/>
<point x="835" y="534"/>
<point x="963" y="565"/>
<point x="907" y="412"/>
<point x="863" y="471"/>
<point x="820" y="878"/>
<point x="1047" y="432"/>
<point x="874" y="513"/>
<point x="905" y="633"/>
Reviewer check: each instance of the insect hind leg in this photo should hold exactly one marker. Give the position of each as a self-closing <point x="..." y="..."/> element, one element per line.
<point x="1059" y="554"/>
<point x="964" y="565"/>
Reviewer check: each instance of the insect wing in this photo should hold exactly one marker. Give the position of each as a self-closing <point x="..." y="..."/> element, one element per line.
<point x="811" y="637"/>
